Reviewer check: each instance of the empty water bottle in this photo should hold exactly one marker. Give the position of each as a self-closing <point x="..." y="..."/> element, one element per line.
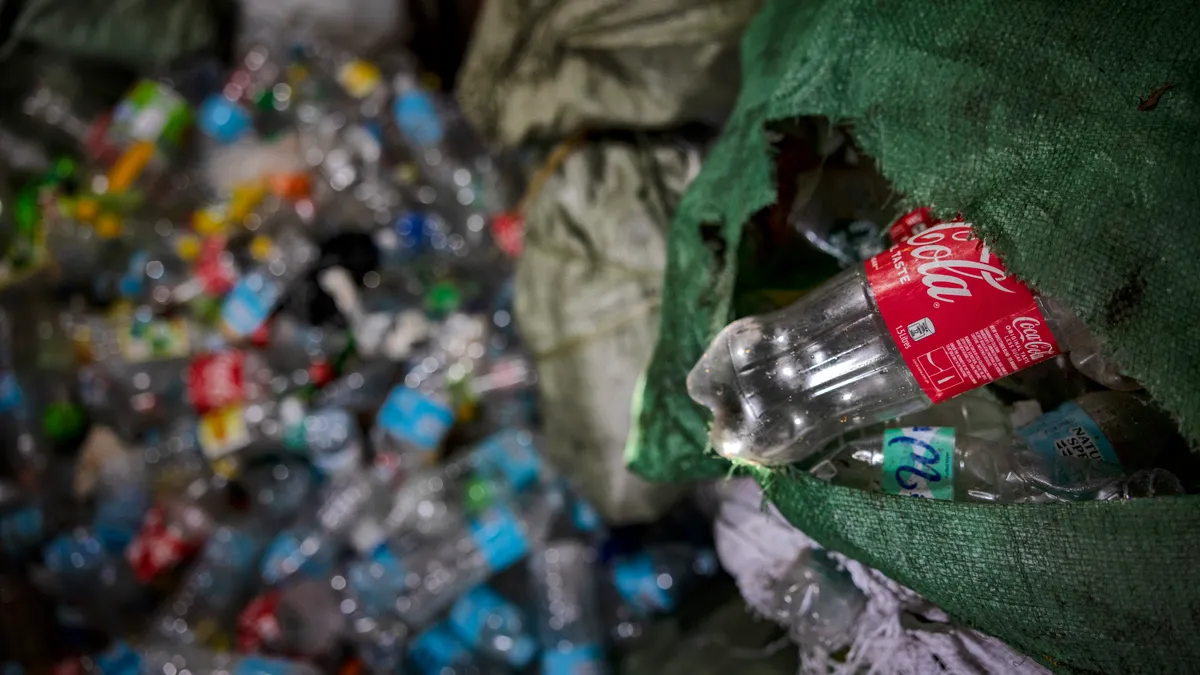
<point x="494" y="627"/>
<point x="419" y="585"/>
<point x="817" y="601"/>
<point x="569" y="620"/>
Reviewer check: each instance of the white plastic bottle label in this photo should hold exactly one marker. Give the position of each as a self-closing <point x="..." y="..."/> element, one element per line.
<point x="919" y="462"/>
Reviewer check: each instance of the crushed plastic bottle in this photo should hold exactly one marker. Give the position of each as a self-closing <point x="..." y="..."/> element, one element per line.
<point x="817" y="601"/>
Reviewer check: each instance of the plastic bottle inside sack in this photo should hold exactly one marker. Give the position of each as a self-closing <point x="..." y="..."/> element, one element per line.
<point x="1083" y="450"/>
<point x="866" y="347"/>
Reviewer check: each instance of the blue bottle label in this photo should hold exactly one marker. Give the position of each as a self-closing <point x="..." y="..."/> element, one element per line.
<point x="248" y="305"/>
<point x="377" y="581"/>
<point x="118" y="659"/>
<point x="499" y="537"/>
<point x="510" y="456"/>
<point x="290" y="553"/>
<point x="637" y="581"/>
<point x="482" y="610"/>
<point x="11" y="395"/>
<point x="229" y="558"/>
<point x="418" y="118"/>
<point x="261" y="665"/>
<point x="919" y="462"/>
<point x="438" y="648"/>
<point x="133" y="282"/>
<point x="415" y="418"/>
<point x="1068" y="432"/>
<point x="118" y="518"/>
<point x="582" y="659"/>
<point x="585" y="517"/>
<point x="21" y="529"/>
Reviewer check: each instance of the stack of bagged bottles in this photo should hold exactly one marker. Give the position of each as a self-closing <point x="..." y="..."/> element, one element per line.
<point x="262" y="403"/>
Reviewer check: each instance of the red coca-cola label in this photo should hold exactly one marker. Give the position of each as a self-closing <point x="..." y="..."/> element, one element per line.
<point x="257" y="625"/>
<point x="158" y="547"/>
<point x="913" y="222"/>
<point x="217" y="380"/>
<point x="214" y="268"/>
<point x="959" y="320"/>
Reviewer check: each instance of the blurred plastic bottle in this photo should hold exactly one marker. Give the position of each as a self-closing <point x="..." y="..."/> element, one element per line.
<point x="311" y="545"/>
<point x="817" y="601"/>
<point x="209" y="598"/>
<point x="228" y="435"/>
<point x="1080" y="451"/>
<point x="569" y="623"/>
<point x="304" y="618"/>
<point x="330" y="438"/>
<point x="426" y="581"/>
<point x="361" y="388"/>
<point x="919" y="324"/>
<point x="437" y="501"/>
<point x="175" y="529"/>
<point x="491" y="625"/>
<point x="655" y="579"/>
<point x="439" y="651"/>
<point x="122" y="659"/>
<point x="281" y="260"/>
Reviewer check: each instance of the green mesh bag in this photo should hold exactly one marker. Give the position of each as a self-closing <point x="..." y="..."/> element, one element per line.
<point x="1036" y="120"/>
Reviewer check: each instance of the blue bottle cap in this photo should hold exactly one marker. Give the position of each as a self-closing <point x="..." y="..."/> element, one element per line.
<point x="223" y="120"/>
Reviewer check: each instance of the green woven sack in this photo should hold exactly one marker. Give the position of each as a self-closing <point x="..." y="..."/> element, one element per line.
<point x="1037" y="121"/>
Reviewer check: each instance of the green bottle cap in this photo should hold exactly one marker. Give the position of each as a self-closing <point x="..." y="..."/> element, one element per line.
<point x="443" y="298"/>
<point x="478" y="495"/>
<point x="63" y="421"/>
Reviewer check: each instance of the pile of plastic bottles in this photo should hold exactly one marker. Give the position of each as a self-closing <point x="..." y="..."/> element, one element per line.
<point x="262" y="402"/>
<point x="926" y="370"/>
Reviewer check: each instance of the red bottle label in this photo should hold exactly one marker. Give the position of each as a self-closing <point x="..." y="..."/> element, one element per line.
<point x="214" y="268"/>
<point x="257" y="625"/>
<point x="157" y="548"/>
<point x="959" y="320"/>
<point x="508" y="231"/>
<point x="217" y="380"/>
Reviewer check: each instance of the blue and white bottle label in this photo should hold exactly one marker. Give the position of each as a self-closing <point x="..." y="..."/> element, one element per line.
<point x="248" y="305"/>
<point x="511" y="456"/>
<point x="21" y="529"/>
<point x="437" y="649"/>
<point x="418" y="119"/>
<point x="584" y="659"/>
<point x="11" y="395"/>
<point x="377" y="581"/>
<point x="482" y="611"/>
<point x="1068" y="432"/>
<point x="500" y="538"/>
<point x="636" y="580"/>
<point x="415" y="418"/>
<point x="118" y="659"/>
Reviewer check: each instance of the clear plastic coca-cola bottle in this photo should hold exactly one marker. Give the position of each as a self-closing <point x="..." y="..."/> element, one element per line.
<point x="921" y="323"/>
